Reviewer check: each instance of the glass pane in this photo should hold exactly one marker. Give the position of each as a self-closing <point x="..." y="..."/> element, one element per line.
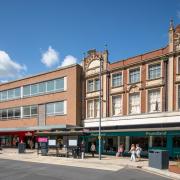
<point x="97" y="85"/>
<point x="59" y="107"/>
<point x="17" y="112"/>
<point x="10" y="113"/>
<point x="59" y="83"/>
<point x="0" y="114"/>
<point x="26" y="111"/>
<point x="4" y="114"/>
<point x="50" y="85"/>
<point x="17" y="92"/>
<point x="90" y="86"/>
<point x="34" y="110"/>
<point x="11" y="94"/>
<point x="4" y="95"/>
<point x="34" y="89"/>
<point x="26" y="90"/>
<point x="42" y="87"/>
<point x="50" y="108"/>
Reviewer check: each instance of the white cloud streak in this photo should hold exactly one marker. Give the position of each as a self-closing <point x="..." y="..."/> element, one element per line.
<point x="50" y="57"/>
<point x="68" y="60"/>
<point x="10" y="68"/>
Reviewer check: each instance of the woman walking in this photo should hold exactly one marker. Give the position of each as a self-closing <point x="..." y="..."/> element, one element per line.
<point x="138" y="152"/>
<point x="133" y="152"/>
<point x="93" y="149"/>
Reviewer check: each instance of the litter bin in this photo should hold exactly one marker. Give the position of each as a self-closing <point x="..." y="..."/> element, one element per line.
<point x="21" y="147"/>
<point x="76" y="152"/>
<point x="44" y="148"/>
<point x="159" y="159"/>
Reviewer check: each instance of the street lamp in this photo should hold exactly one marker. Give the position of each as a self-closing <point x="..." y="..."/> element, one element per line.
<point x="100" y="100"/>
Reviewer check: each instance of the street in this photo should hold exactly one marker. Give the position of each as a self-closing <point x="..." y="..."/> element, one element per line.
<point x="17" y="170"/>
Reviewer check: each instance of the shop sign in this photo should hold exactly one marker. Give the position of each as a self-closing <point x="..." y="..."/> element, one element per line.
<point x="28" y="134"/>
<point x="42" y="139"/>
<point x="102" y="134"/>
<point x="163" y="133"/>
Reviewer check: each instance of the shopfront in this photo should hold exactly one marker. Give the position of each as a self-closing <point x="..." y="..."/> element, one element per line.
<point x="169" y="140"/>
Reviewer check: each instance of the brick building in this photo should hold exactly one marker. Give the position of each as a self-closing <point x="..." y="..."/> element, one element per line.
<point x="46" y="101"/>
<point x="140" y="98"/>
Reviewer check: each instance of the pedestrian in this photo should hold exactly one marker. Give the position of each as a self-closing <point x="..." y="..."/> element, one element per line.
<point x="93" y="149"/>
<point x="82" y="149"/>
<point x="133" y="152"/>
<point x="120" y="151"/>
<point x="138" y="152"/>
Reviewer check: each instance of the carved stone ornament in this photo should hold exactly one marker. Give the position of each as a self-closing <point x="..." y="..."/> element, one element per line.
<point x="177" y="40"/>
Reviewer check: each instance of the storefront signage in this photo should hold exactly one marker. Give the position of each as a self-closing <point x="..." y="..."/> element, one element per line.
<point x="163" y="133"/>
<point x="42" y="139"/>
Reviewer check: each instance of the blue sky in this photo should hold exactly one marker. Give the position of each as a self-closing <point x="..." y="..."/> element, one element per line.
<point x="38" y="35"/>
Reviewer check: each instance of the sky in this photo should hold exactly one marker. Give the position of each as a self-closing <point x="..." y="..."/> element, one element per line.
<point x="41" y="35"/>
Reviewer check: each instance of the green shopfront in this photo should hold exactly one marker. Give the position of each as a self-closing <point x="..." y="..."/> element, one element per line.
<point x="169" y="140"/>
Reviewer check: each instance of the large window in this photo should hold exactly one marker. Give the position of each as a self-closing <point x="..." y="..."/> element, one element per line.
<point x="154" y="71"/>
<point x="29" y="111"/>
<point x="154" y="100"/>
<point x="96" y="108"/>
<point x="44" y="87"/>
<point x="93" y="85"/>
<point x="10" y="113"/>
<point x="134" y="75"/>
<point x="10" y="94"/>
<point x="134" y="103"/>
<point x="116" y="105"/>
<point x="116" y="79"/>
<point x="57" y="108"/>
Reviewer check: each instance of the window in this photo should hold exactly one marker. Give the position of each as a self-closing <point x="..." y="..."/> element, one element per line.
<point x="42" y="87"/>
<point x="154" y="71"/>
<point x="176" y="141"/>
<point x="134" y="75"/>
<point x="17" y="112"/>
<point x="10" y="113"/>
<point x="26" y="111"/>
<point x="34" y="89"/>
<point x="26" y="90"/>
<point x="90" y="85"/>
<point x="154" y="100"/>
<point x="10" y="94"/>
<point x="55" y="108"/>
<point x="97" y="85"/>
<point x="96" y="108"/>
<point x="116" y="105"/>
<point x="90" y="108"/>
<point x="34" y="110"/>
<point x="159" y="141"/>
<point x="59" y="84"/>
<point x="59" y="107"/>
<point x="4" y="95"/>
<point x="178" y="65"/>
<point x="17" y="92"/>
<point x="0" y="114"/>
<point x="116" y="79"/>
<point x="179" y="97"/>
<point x="4" y="114"/>
<point x="50" y="86"/>
<point x="134" y="103"/>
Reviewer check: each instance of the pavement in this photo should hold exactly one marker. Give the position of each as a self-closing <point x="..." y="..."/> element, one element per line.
<point x="109" y="163"/>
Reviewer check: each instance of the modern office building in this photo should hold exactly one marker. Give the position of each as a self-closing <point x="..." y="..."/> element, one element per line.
<point x="140" y="98"/>
<point x="47" y="101"/>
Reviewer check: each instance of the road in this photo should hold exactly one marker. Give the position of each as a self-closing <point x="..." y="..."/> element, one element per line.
<point x="18" y="170"/>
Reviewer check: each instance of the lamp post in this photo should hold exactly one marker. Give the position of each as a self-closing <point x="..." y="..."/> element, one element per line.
<point x="100" y="100"/>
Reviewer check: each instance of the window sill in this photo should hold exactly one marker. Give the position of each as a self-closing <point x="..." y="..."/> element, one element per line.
<point x="88" y="92"/>
<point x="154" y="79"/>
<point x="113" y="87"/>
<point x="134" y="83"/>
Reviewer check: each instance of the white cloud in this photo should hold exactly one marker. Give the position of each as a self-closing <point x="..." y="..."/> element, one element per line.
<point x="50" y="57"/>
<point x="68" y="60"/>
<point x="10" y="68"/>
<point x="178" y="14"/>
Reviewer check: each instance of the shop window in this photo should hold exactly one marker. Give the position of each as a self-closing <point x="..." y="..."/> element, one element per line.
<point x="154" y="100"/>
<point x="142" y="141"/>
<point x="134" y="103"/>
<point x="154" y="71"/>
<point x="159" y="141"/>
<point x="110" y="144"/>
<point x="176" y="141"/>
<point x="134" y="75"/>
